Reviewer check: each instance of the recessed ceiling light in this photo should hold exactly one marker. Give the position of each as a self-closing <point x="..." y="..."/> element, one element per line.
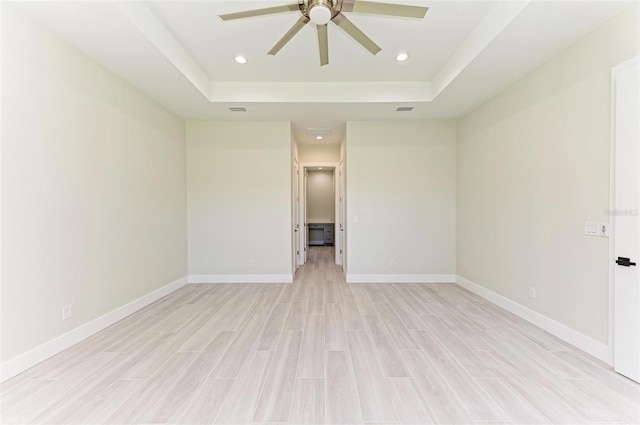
<point x="402" y="57"/>
<point x="318" y="137"/>
<point x="319" y="168"/>
<point x="240" y="59"/>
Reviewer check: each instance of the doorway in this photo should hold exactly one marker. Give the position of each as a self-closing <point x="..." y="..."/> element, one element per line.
<point x="320" y="206"/>
<point x="320" y="198"/>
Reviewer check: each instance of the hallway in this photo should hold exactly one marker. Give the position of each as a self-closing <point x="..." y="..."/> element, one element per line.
<point x="320" y="351"/>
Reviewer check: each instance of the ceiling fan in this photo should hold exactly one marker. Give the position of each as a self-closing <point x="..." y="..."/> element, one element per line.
<point x="320" y="12"/>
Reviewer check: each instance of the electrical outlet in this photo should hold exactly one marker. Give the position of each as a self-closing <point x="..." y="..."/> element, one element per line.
<point x="532" y="292"/>
<point x="604" y="230"/>
<point x="66" y="312"/>
<point x="392" y="263"/>
<point x="250" y="263"/>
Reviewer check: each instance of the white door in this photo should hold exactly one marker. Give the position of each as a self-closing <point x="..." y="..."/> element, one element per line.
<point x="341" y="215"/>
<point x="304" y="232"/>
<point x="626" y="219"/>
<point x="296" y="217"/>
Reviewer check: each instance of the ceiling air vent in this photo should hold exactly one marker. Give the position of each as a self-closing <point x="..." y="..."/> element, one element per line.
<point x="238" y="109"/>
<point x="404" y="109"/>
<point x="315" y="132"/>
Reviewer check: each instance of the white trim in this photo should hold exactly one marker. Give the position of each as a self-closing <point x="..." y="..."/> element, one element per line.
<point x="241" y="278"/>
<point x="401" y="278"/>
<point x="573" y="337"/>
<point x="24" y="361"/>
<point x="333" y="166"/>
<point x="612" y="200"/>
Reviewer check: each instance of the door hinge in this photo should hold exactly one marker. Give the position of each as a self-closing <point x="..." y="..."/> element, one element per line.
<point x="340" y="251"/>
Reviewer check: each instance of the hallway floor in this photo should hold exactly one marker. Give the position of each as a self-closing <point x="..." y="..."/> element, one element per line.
<point x="321" y="351"/>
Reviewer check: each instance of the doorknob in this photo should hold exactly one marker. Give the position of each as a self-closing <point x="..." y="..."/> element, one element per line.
<point x="625" y="262"/>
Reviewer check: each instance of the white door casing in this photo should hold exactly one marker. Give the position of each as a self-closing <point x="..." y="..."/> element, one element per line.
<point x="340" y="232"/>
<point x="626" y="219"/>
<point x="296" y="217"/>
<point x="303" y="201"/>
<point x="304" y="229"/>
<point x="336" y="214"/>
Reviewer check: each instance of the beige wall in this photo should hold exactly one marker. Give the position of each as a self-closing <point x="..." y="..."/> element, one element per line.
<point x="401" y="186"/>
<point x="319" y="153"/>
<point x="533" y="166"/>
<point x="93" y="189"/>
<point x="320" y="196"/>
<point x="239" y="190"/>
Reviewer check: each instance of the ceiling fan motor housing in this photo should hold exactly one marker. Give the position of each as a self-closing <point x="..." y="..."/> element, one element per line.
<point x="319" y="12"/>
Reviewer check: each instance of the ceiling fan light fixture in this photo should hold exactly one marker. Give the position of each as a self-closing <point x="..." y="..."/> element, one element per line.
<point x="320" y="13"/>
<point x="401" y="57"/>
<point x="240" y="59"/>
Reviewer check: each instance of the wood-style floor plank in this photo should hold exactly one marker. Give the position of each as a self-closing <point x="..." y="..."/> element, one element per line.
<point x="240" y="405"/>
<point x="205" y="404"/>
<point x="375" y="400"/>
<point x="168" y="408"/>
<point x="275" y="401"/>
<point x="272" y="329"/>
<point x="388" y="355"/>
<point x="342" y="404"/>
<point x="411" y="405"/>
<point x="335" y="337"/>
<point x="233" y="360"/>
<point x="308" y="402"/>
<point x="311" y="364"/>
<point x="445" y="404"/>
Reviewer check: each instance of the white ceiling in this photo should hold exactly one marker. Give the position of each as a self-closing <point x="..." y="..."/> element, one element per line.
<point x="181" y="54"/>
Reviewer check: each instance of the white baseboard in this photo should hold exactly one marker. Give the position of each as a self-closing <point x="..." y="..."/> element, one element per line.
<point x="571" y="336"/>
<point x="401" y="278"/>
<point x="241" y="278"/>
<point x="24" y="361"/>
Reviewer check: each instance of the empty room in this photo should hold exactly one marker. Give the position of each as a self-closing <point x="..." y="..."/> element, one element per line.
<point x="319" y="212"/>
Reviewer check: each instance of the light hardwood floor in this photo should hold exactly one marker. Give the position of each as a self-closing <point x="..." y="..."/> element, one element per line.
<point x="321" y="351"/>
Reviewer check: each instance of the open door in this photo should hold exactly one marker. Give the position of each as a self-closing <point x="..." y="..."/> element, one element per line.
<point x="296" y="216"/>
<point x="304" y="232"/>
<point x="626" y="220"/>
<point x="340" y="216"/>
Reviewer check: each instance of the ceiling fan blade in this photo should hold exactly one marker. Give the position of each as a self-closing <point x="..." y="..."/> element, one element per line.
<point x="289" y="35"/>
<point x="323" y="44"/>
<point x="389" y="9"/>
<point x="348" y="27"/>
<point x="347" y="5"/>
<point x="260" y="12"/>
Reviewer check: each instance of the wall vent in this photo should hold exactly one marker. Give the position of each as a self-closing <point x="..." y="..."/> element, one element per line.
<point x="404" y="109"/>
<point x="317" y="131"/>
<point x="238" y="109"/>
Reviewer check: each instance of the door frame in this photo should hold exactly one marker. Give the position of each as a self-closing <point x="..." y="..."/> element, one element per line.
<point x="334" y="166"/>
<point x="341" y="214"/>
<point x="296" y="215"/>
<point x="612" y="202"/>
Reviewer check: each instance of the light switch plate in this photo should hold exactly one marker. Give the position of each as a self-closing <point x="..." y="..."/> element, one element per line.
<point x="591" y="228"/>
